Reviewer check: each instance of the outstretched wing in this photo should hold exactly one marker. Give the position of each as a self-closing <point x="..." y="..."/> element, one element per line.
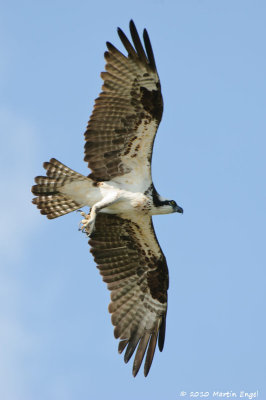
<point x="122" y="127"/>
<point x="132" y="264"/>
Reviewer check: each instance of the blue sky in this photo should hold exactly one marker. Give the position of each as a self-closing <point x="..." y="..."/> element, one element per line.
<point x="56" y="338"/>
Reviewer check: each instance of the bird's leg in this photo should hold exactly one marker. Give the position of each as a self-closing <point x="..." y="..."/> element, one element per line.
<point x="88" y="223"/>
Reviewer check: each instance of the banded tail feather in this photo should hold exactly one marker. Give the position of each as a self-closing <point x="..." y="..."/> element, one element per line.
<point x="50" y="199"/>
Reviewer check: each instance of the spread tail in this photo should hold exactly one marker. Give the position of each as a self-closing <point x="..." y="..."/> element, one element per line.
<point x="50" y="200"/>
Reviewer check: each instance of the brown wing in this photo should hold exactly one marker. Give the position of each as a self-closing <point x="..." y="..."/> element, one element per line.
<point x="126" y="115"/>
<point x="132" y="264"/>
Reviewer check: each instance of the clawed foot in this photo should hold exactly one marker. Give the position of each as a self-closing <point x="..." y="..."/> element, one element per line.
<point x="86" y="225"/>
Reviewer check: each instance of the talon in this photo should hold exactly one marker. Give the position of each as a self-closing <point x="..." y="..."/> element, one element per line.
<point x="86" y="225"/>
<point x="83" y="223"/>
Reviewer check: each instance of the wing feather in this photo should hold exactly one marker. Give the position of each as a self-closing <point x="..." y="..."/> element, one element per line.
<point x="150" y="353"/>
<point x="140" y="353"/>
<point x="149" y="50"/>
<point x="126" y="115"/>
<point x="137" y="42"/>
<point x="132" y="264"/>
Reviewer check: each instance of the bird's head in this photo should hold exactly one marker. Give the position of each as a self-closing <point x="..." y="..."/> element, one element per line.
<point x="175" y="207"/>
<point x="172" y="207"/>
<point x="164" y="206"/>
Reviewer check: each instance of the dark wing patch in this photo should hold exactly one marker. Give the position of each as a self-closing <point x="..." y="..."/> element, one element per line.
<point x="133" y="266"/>
<point x="129" y="109"/>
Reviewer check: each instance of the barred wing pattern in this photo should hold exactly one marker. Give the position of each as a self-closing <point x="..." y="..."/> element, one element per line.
<point x="132" y="264"/>
<point x="120" y="133"/>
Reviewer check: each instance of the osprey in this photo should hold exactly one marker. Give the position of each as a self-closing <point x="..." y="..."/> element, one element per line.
<point x="121" y="196"/>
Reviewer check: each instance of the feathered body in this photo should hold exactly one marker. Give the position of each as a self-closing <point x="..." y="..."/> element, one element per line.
<point x="121" y="196"/>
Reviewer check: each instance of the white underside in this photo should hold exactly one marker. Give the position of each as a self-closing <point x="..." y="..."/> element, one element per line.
<point x="117" y="200"/>
<point x="113" y="196"/>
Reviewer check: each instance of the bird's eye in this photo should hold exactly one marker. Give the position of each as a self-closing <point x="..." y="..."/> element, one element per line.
<point x="172" y="203"/>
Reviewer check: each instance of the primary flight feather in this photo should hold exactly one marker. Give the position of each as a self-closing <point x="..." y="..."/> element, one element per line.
<point x="121" y="196"/>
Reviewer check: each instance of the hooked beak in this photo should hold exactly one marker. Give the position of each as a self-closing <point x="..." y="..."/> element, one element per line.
<point x="179" y="209"/>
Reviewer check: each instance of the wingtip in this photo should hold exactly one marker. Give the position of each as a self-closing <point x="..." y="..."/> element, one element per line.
<point x="161" y="338"/>
<point x="135" y="371"/>
<point x="136" y="368"/>
<point x="132" y="26"/>
<point x="110" y="46"/>
<point x="146" y="371"/>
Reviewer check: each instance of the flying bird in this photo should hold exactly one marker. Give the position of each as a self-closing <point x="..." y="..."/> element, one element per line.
<point x="121" y="196"/>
